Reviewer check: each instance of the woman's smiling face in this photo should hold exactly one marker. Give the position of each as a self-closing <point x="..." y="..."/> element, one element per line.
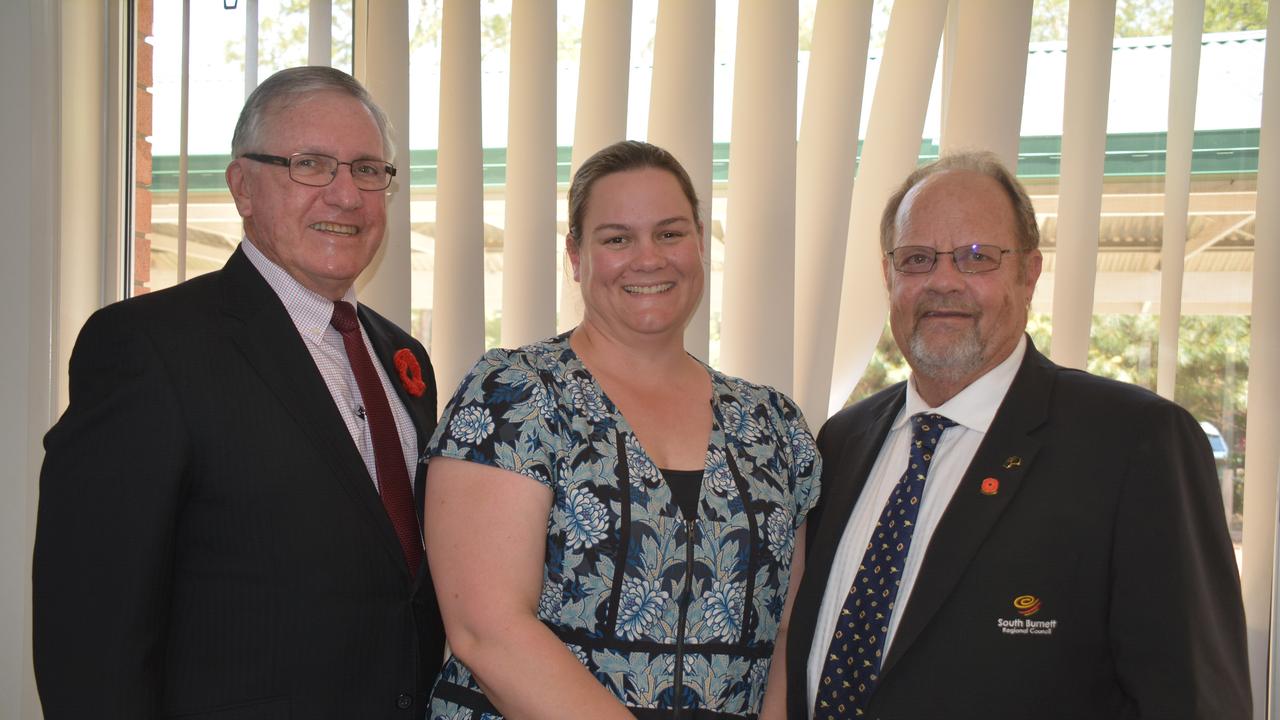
<point x="639" y="260"/>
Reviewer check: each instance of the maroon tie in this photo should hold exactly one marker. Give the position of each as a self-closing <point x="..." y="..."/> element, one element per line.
<point x="388" y="455"/>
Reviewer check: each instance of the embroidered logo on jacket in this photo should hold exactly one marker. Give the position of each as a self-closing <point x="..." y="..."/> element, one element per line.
<point x="1026" y="606"/>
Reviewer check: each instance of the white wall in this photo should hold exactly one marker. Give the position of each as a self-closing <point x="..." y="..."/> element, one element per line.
<point x="28" y="51"/>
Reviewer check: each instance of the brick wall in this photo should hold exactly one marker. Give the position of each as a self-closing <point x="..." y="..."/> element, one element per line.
<point x="142" y="148"/>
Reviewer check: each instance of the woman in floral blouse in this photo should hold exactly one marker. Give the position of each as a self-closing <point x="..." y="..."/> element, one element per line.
<point x="612" y="524"/>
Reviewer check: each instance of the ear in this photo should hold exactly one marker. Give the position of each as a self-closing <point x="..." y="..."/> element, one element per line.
<point x="571" y="249"/>
<point x="1035" y="263"/>
<point x="239" y="184"/>
<point x="887" y="270"/>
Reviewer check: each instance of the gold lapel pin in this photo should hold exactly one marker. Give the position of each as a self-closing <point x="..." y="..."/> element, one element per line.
<point x="1011" y="462"/>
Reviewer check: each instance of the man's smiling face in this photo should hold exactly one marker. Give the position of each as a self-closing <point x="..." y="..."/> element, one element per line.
<point x="322" y="236"/>
<point x="951" y="326"/>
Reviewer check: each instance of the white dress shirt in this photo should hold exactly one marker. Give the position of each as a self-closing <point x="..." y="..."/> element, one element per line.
<point x="972" y="409"/>
<point x="311" y="314"/>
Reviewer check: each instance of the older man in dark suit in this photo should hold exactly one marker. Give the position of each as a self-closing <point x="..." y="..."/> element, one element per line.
<point x="227" y="525"/>
<point x="1001" y="537"/>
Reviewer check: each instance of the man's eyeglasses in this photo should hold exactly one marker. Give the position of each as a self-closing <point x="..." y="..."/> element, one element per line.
<point x="319" y="170"/>
<point x="919" y="259"/>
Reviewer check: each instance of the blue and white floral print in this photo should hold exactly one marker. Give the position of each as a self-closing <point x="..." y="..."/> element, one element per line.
<point x="629" y="584"/>
<point x="471" y="425"/>
<point x="722" y="609"/>
<point x="718" y="477"/>
<point x="738" y="422"/>
<point x="641" y="608"/>
<point x="547" y="601"/>
<point x="803" y="448"/>
<point x="642" y="469"/>
<point x="587" y="521"/>
<point x="782" y="540"/>
<point x="588" y="399"/>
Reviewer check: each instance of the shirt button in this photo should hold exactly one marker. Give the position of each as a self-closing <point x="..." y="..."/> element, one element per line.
<point x="404" y="701"/>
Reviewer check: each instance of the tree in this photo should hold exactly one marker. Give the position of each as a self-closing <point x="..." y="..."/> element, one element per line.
<point x="880" y="12"/>
<point x="1049" y="21"/>
<point x="1234" y="15"/>
<point x="887" y="367"/>
<point x="1144" y="18"/>
<point x="1151" y="18"/>
<point x="282" y="37"/>
<point x="1213" y="359"/>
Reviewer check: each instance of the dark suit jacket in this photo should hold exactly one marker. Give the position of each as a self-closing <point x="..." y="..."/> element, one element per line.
<point x="209" y="543"/>
<point x="1110" y="516"/>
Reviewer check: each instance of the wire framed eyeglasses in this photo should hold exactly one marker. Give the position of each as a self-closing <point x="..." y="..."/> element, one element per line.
<point x="920" y="259"/>
<point x="319" y="170"/>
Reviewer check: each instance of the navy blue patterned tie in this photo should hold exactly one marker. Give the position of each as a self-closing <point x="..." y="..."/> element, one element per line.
<point x="853" y="660"/>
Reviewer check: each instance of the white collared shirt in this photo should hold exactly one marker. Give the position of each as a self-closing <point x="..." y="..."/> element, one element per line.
<point x="972" y="409"/>
<point x="311" y="314"/>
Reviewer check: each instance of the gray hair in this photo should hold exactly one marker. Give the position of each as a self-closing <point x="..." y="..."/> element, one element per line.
<point x="983" y="163"/>
<point x="293" y="85"/>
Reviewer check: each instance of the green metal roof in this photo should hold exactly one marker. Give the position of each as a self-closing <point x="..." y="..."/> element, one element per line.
<point x="1130" y="154"/>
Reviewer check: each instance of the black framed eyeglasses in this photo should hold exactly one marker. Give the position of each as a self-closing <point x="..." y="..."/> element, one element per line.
<point x="319" y="170"/>
<point x="920" y="259"/>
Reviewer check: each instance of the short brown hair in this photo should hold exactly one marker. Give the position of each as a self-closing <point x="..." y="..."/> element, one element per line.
<point x="983" y="163"/>
<point x="621" y="157"/>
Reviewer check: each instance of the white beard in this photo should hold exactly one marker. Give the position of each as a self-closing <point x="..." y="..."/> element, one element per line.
<point x="953" y="362"/>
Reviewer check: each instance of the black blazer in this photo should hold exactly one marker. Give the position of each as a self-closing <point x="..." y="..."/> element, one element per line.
<point x="209" y="543"/>
<point x="1107" y="512"/>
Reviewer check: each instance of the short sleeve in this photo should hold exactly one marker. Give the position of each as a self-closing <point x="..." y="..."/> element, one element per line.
<point x="503" y="415"/>
<point x="798" y="455"/>
<point x="806" y="464"/>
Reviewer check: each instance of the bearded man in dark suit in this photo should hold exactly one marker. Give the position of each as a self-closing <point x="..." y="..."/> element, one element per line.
<point x="227" y="523"/>
<point x="1000" y="537"/>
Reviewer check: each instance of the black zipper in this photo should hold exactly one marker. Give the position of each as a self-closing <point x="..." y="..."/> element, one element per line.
<point x="685" y="601"/>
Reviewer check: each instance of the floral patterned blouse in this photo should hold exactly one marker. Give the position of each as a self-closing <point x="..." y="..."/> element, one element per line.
<point x="663" y="612"/>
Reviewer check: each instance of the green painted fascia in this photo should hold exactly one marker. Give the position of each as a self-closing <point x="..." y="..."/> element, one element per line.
<point x="1127" y="154"/>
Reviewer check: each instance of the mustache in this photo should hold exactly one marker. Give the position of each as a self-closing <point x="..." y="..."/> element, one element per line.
<point x="945" y="303"/>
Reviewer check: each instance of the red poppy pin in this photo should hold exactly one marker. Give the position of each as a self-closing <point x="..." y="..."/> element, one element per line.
<point x="410" y="372"/>
<point x="990" y="486"/>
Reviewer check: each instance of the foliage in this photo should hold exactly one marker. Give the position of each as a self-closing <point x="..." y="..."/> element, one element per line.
<point x="1151" y="18"/>
<point x="1213" y="367"/>
<point x="880" y="12"/>
<point x="282" y="36"/>
<point x="887" y="367"/>
<point x="427" y="26"/>
<point x="1144" y="18"/>
<point x="1213" y="357"/>
<point x="1234" y="15"/>
<point x="1049" y="21"/>
<point x="495" y="26"/>
<point x="282" y="33"/>
<point x="493" y="330"/>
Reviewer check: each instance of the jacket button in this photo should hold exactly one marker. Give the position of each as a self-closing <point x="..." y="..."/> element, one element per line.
<point x="404" y="701"/>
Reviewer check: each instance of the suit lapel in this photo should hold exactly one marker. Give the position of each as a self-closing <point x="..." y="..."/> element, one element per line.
<point x="861" y="448"/>
<point x="846" y="467"/>
<point x="270" y="343"/>
<point x="1007" y="453"/>
<point x="421" y="408"/>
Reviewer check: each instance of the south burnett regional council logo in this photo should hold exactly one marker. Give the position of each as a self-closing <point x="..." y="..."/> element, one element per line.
<point x="1026" y="606"/>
